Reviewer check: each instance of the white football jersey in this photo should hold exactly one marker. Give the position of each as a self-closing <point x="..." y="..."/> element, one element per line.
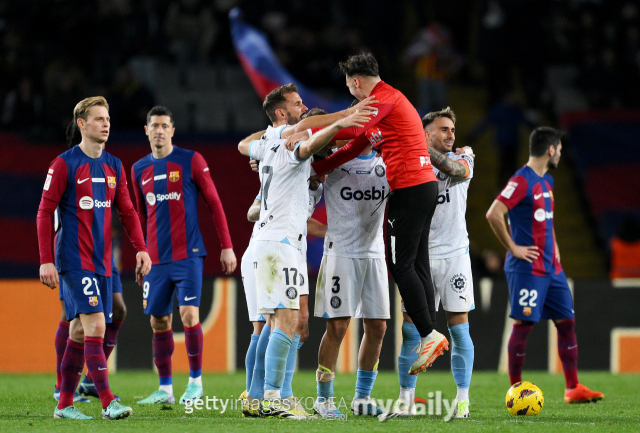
<point x="448" y="235"/>
<point x="355" y="195"/>
<point x="314" y="199"/>
<point x="284" y="192"/>
<point x="274" y="132"/>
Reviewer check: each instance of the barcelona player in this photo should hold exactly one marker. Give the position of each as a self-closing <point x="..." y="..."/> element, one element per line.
<point x="538" y="287"/>
<point x="85" y="182"/>
<point x="166" y="184"/>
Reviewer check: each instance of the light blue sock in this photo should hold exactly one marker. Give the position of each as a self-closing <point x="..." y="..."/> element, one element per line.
<point x="257" y="381"/>
<point x="325" y="390"/>
<point x="275" y="361"/>
<point x="410" y="339"/>
<point x="364" y="383"/>
<point x="461" y="355"/>
<point x="287" y="390"/>
<point x="250" y="360"/>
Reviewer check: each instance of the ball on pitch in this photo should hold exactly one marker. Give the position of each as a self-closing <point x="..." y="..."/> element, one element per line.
<point x="524" y="398"/>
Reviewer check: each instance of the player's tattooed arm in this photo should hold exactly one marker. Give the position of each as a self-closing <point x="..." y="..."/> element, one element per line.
<point x="254" y="211"/>
<point x="447" y="165"/>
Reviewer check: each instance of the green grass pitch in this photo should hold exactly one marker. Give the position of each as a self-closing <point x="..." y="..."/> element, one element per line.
<point x="26" y="405"/>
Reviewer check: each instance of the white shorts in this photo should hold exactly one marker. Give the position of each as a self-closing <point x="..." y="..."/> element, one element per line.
<point x="352" y="288"/>
<point x="453" y="283"/>
<point x="249" y="283"/>
<point x="277" y="276"/>
<point x="303" y="274"/>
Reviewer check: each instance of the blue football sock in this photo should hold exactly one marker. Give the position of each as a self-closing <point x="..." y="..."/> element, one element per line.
<point x="275" y="361"/>
<point x="410" y="339"/>
<point x="364" y="383"/>
<point x="300" y="343"/>
<point x="257" y="381"/>
<point x="461" y="355"/>
<point x="250" y="360"/>
<point x="325" y="390"/>
<point x="287" y="390"/>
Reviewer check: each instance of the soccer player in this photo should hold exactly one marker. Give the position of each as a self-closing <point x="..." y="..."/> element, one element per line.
<point x="166" y="184"/>
<point x="395" y="129"/>
<point x="449" y="261"/>
<point x="84" y="182"/>
<point x="353" y="278"/>
<point x="538" y="287"/>
<point x="277" y="248"/>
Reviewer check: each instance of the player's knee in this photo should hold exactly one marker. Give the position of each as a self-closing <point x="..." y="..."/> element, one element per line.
<point x="160" y="323"/>
<point x="337" y="329"/>
<point x="189" y="318"/>
<point x="119" y="312"/>
<point x="76" y="334"/>
<point x="377" y="328"/>
<point x="96" y="329"/>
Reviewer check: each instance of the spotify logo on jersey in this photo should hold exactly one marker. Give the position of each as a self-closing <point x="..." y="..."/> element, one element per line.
<point x="151" y="198"/>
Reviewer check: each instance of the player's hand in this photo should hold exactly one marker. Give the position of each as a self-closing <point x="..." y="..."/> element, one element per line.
<point x="364" y="105"/>
<point x="255" y="165"/>
<point x="463" y="151"/>
<point x="296" y="138"/>
<point x="358" y="119"/>
<point x="143" y="266"/>
<point x="49" y="275"/>
<point x="228" y="261"/>
<point x="528" y="254"/>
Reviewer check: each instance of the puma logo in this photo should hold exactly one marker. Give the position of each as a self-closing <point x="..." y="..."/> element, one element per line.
<point x="391" y="222"/>
<point x="347" y="171"/>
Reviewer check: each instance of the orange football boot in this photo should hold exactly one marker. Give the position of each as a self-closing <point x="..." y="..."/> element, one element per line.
<point x="582" y="394"/>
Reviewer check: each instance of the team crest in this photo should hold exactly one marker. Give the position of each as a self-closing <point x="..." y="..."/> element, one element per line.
<point x="458" y="283"/>
<point x="336" y="302"/>
<point x="526" y="311"/>
<point x="292" y="293"/>
<point x="111" y="181"/>
<point x="93" y="301"/>
<point x="144" y="304"/>
<point x="174" y="176"/>
<point x="380" y="171"/>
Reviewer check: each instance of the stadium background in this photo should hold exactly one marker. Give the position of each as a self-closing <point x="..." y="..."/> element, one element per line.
<point x="569" y="64"/>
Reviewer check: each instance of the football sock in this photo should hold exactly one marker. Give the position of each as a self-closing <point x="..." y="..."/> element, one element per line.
<point x="364" y="383"/>
<point x="568" y="351"/>
<point x="325" y="377"/>
<point x="70" y="369"/>
<point x="461" y="355"/>
<point x="410" y="340"/>
<point x="517" y="349"/>
<point x="275" y="360"/>
<point x="257" y="381"/>
<point x="463" y="394"/>
<point x="250" y="359"/>
<point x="300" y="343"/>
<point x="287" y="390"/>
<point x="407" y="395"/>
<point x="97" y="366"/>
<point x="162" y="351"/>
<point x="194" y="341"/>
<point x="111" y="337"/>
<point x="60" y="342"/>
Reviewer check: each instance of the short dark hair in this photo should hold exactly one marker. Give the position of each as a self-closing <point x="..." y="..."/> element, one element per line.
<point x="276" y="99"/>
<point x="159" y="110"/>
<point x="363" y="64"/>
<point x="435" y="115"/>
<point x="542" y="138"/>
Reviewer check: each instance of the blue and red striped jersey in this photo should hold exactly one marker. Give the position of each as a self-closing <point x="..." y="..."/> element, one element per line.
<point x="166" y="193"/>
<point x="85" y="190"/>
<point x="529" y="198"/>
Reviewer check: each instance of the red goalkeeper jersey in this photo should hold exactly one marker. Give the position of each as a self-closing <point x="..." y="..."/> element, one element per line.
<point x="396" y="130"/>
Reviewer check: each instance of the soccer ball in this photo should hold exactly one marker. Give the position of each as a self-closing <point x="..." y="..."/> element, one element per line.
<point x="524" y="398"/>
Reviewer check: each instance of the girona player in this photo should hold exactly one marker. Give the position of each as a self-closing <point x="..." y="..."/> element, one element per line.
<point x="538" y="287"/>
<point x="166" y="184"/>
<point x="395" y="129"/>
<point x="84" y="182"/>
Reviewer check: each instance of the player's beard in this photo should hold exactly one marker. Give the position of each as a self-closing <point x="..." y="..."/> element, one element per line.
<point x="291" y="120"/>
<point x="553" y="164"/>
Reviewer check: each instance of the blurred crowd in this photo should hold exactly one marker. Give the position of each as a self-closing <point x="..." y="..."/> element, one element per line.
<point x="54" y="52"/>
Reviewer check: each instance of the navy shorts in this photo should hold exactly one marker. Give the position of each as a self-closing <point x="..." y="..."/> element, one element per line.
<point x="534" y="298"/>
<point x="116" y="283"/>
<point x="86" y="292"/>
<point x="183" y="276"/>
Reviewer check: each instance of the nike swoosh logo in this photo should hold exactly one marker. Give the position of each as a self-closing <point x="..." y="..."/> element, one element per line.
<point x="82" y="181"/>
<point x="572" y="347"/>
<point x="520" y="354"/>
<point x="144" y="182"/>
<point x="536" y="197"/>
<point x="189" y="299"/>
<point x="110" y="314"/>
<point x="101" y="368"/>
